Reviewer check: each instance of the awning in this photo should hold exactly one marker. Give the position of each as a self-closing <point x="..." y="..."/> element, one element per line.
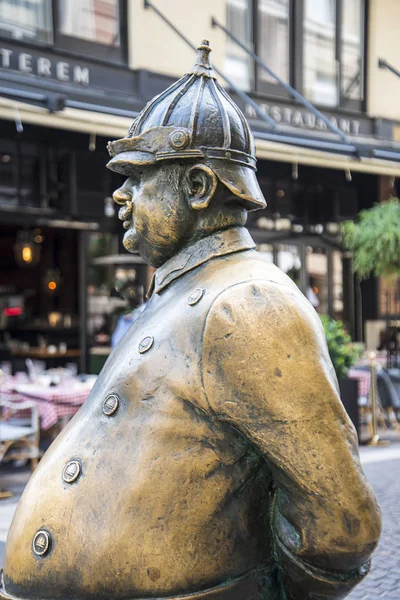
<point x="69" y="119"/>
<point x="283" y="152"/>
<point x="382" y="162"/>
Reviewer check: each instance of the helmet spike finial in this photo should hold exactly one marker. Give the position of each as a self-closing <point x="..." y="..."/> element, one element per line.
<point x="203" y="66"/>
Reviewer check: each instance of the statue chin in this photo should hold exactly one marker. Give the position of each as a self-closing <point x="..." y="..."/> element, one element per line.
<point x="130" y="240"/>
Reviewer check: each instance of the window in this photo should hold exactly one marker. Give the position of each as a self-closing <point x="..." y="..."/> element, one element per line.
<point x="34" y="176"/>
<point x="317" y="270"/>
<point x="8" y="178"/>
<point x="289" y="259"/>
<point x="352" y="49"/>
<point x="337" y="285"/>
<point x="27" y="20"/>
<point x="238" y="64"/>
<point x="319" y="62"/>
<point x="333" y="51"/>
<point x="92" y="28"/>
<point x="273" y="38"/>
<point x="317" y="46"/>
<point x="92" y="20"/>
<point x="389" y="299"/>
<point x="87" y="27"/>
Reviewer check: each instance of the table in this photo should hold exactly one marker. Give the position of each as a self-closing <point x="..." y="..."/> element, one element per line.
<point x="51" y="359"/>
<point x="53" y="402"/>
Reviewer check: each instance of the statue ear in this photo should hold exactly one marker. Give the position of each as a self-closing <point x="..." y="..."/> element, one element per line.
<point x="200" y="185"/>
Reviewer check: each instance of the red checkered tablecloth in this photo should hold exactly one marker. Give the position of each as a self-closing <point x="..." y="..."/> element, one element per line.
<point x="59" y="394"/>
<point x="53" y="403"/>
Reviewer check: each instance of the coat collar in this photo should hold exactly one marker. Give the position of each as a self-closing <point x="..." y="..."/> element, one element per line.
<point x="216" y="244"/>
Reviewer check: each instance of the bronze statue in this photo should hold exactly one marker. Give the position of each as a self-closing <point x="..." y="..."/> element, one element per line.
<point x="213" y="458"/>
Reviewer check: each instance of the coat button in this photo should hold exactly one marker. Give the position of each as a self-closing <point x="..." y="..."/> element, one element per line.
<point x="41" y="542"/>
<point x="110" y="405"/>
<point x="146" y="344"/>
<point x="195" y="296"/>
<point x="71" y="471"/>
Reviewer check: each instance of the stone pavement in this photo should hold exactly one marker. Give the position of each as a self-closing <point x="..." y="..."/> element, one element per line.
<point x="382" y="468"/>
<point x="13" y="480"/>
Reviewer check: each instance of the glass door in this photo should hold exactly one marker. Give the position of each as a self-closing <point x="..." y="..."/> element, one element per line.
<point x="318" y="289"/>
<point x="317" y="270"/>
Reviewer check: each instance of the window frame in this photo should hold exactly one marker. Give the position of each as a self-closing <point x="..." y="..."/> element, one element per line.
<point x="79" y="47"/>
<point x="355" y="104"/>
<point x="251" y="7"/>
<point x="31" y="41"/>
<point x="267" y="87"/>
<point x="296" y="56"/>
<point x="91" y="49"/>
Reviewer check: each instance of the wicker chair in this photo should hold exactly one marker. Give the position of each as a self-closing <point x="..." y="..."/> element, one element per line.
<point x="19" y="433"/>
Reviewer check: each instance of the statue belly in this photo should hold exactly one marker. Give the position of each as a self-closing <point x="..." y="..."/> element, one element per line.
<point x="156" y="508"/>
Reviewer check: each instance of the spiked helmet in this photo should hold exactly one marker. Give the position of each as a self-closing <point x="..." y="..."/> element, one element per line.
<point x="194" y="119"/>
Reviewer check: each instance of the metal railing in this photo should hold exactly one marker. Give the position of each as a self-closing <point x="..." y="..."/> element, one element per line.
<point x="383" y="64"/>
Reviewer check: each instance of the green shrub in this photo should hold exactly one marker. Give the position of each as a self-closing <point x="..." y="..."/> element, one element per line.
<point x="374" y="240"/>
<point x="342" y="351"/>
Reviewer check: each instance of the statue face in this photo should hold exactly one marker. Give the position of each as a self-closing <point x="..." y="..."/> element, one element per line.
<point x="154" y="213"/>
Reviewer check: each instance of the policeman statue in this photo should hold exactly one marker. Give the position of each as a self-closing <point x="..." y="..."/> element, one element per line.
<point x="213" y="459"/>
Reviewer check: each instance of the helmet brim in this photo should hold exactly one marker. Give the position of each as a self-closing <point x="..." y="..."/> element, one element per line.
<point x="125" y="162"/>
<point x="240" y="180"/>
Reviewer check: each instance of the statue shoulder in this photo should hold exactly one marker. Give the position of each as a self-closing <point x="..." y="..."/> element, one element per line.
<point x="261" y="336"/>
<point x="266" y="304"/>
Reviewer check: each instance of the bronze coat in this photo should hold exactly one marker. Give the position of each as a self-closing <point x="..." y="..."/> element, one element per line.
<point x="230" y="452"/>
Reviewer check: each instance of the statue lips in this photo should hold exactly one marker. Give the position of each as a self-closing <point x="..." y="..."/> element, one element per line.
<point x="125" y="213"/>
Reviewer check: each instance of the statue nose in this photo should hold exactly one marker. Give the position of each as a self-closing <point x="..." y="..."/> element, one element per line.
<point x="122" y="196"/>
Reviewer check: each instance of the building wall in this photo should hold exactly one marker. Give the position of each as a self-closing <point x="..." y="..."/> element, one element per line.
<point x="383" y="87"/>
<point x="155" y="47"/>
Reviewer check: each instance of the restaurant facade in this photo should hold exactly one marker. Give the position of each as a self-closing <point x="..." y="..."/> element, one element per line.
<point x="72" y="79"/>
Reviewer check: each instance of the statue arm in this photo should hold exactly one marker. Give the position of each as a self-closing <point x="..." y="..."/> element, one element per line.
<point x="267" y="372"/>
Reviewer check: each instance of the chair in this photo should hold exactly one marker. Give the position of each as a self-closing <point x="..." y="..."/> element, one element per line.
<point x="389" y="398"/>
<point x="19" y="433"/>
<point x="394" y="375"/>
<point x="365" y="404"/>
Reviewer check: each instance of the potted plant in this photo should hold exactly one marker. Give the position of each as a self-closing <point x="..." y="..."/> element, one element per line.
<point x="344" y="355"/>
<point x="374" y="240"/>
